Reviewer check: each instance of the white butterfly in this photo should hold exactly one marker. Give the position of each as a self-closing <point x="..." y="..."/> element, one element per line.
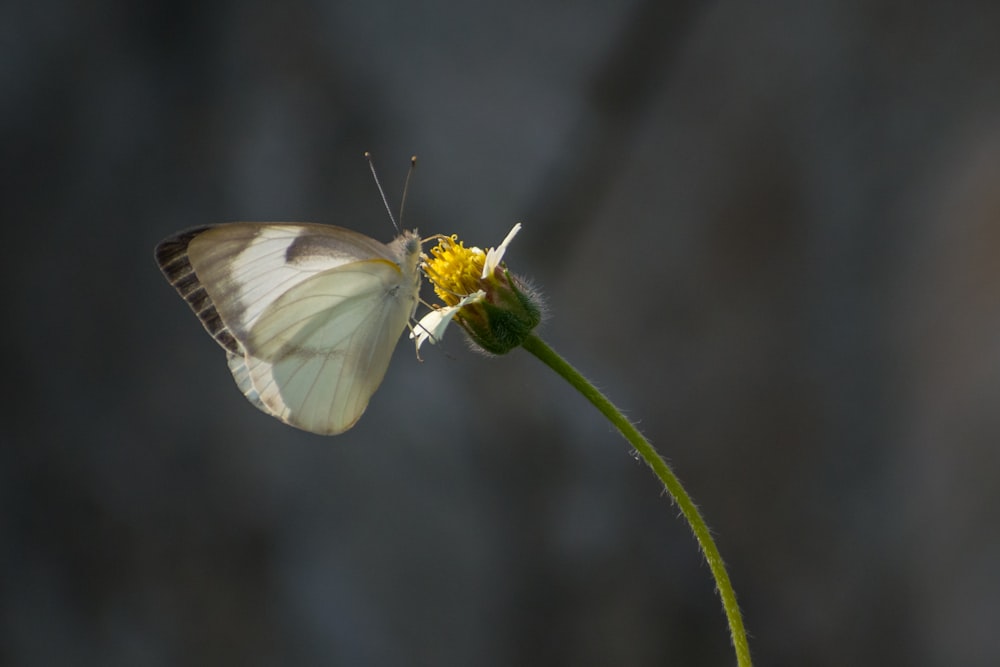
<point x="308" y="314"/>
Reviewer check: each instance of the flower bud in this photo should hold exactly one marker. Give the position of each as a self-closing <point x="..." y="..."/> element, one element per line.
<point x="504" y="317"/>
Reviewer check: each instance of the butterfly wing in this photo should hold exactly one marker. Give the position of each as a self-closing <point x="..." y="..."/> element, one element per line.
<point x="308" y="314"/>
<point x="319" y="352"/>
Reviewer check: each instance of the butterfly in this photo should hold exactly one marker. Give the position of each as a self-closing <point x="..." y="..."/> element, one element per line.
<point x="308" y="314"/>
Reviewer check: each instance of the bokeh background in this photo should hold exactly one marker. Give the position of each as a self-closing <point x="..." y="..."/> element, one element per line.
<point x="770" y="231"/>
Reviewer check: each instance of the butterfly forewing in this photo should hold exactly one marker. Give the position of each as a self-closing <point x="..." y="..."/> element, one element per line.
<point x="308" y="314"/>
<point x="172" y="256"/>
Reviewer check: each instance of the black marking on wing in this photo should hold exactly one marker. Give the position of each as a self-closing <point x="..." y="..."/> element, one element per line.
<point x="171" y="255"/>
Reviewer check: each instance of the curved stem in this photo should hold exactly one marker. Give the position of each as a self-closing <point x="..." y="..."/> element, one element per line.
<point x="540" y="349"/>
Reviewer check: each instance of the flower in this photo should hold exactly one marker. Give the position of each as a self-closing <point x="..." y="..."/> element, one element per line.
<point x="496" y="309"/>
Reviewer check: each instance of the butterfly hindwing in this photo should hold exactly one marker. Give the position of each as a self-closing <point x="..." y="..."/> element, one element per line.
<point x="318" y="353"/>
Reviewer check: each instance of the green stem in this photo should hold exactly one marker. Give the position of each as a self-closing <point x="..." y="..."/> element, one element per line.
<point x="540" y="349"/>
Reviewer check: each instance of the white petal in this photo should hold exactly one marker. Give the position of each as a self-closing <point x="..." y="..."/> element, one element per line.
<point x="432" y="325"/>
<point x="494" y="256"/>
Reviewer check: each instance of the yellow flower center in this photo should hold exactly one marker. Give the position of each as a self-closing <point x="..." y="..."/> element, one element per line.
<point x="453" y="269"/>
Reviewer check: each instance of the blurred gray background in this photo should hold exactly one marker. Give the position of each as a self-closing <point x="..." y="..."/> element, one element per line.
<point x="770" y="231"/>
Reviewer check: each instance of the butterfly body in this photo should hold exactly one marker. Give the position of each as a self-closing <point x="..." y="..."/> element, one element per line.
<point x="308" y="314"/>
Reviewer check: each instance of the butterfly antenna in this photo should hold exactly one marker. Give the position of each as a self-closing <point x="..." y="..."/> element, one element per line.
<point x="378" y="184"/>
<point x="406" y="187"/>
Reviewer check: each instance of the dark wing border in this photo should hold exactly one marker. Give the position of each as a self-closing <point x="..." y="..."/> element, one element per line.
<point x="172" y="256"/>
